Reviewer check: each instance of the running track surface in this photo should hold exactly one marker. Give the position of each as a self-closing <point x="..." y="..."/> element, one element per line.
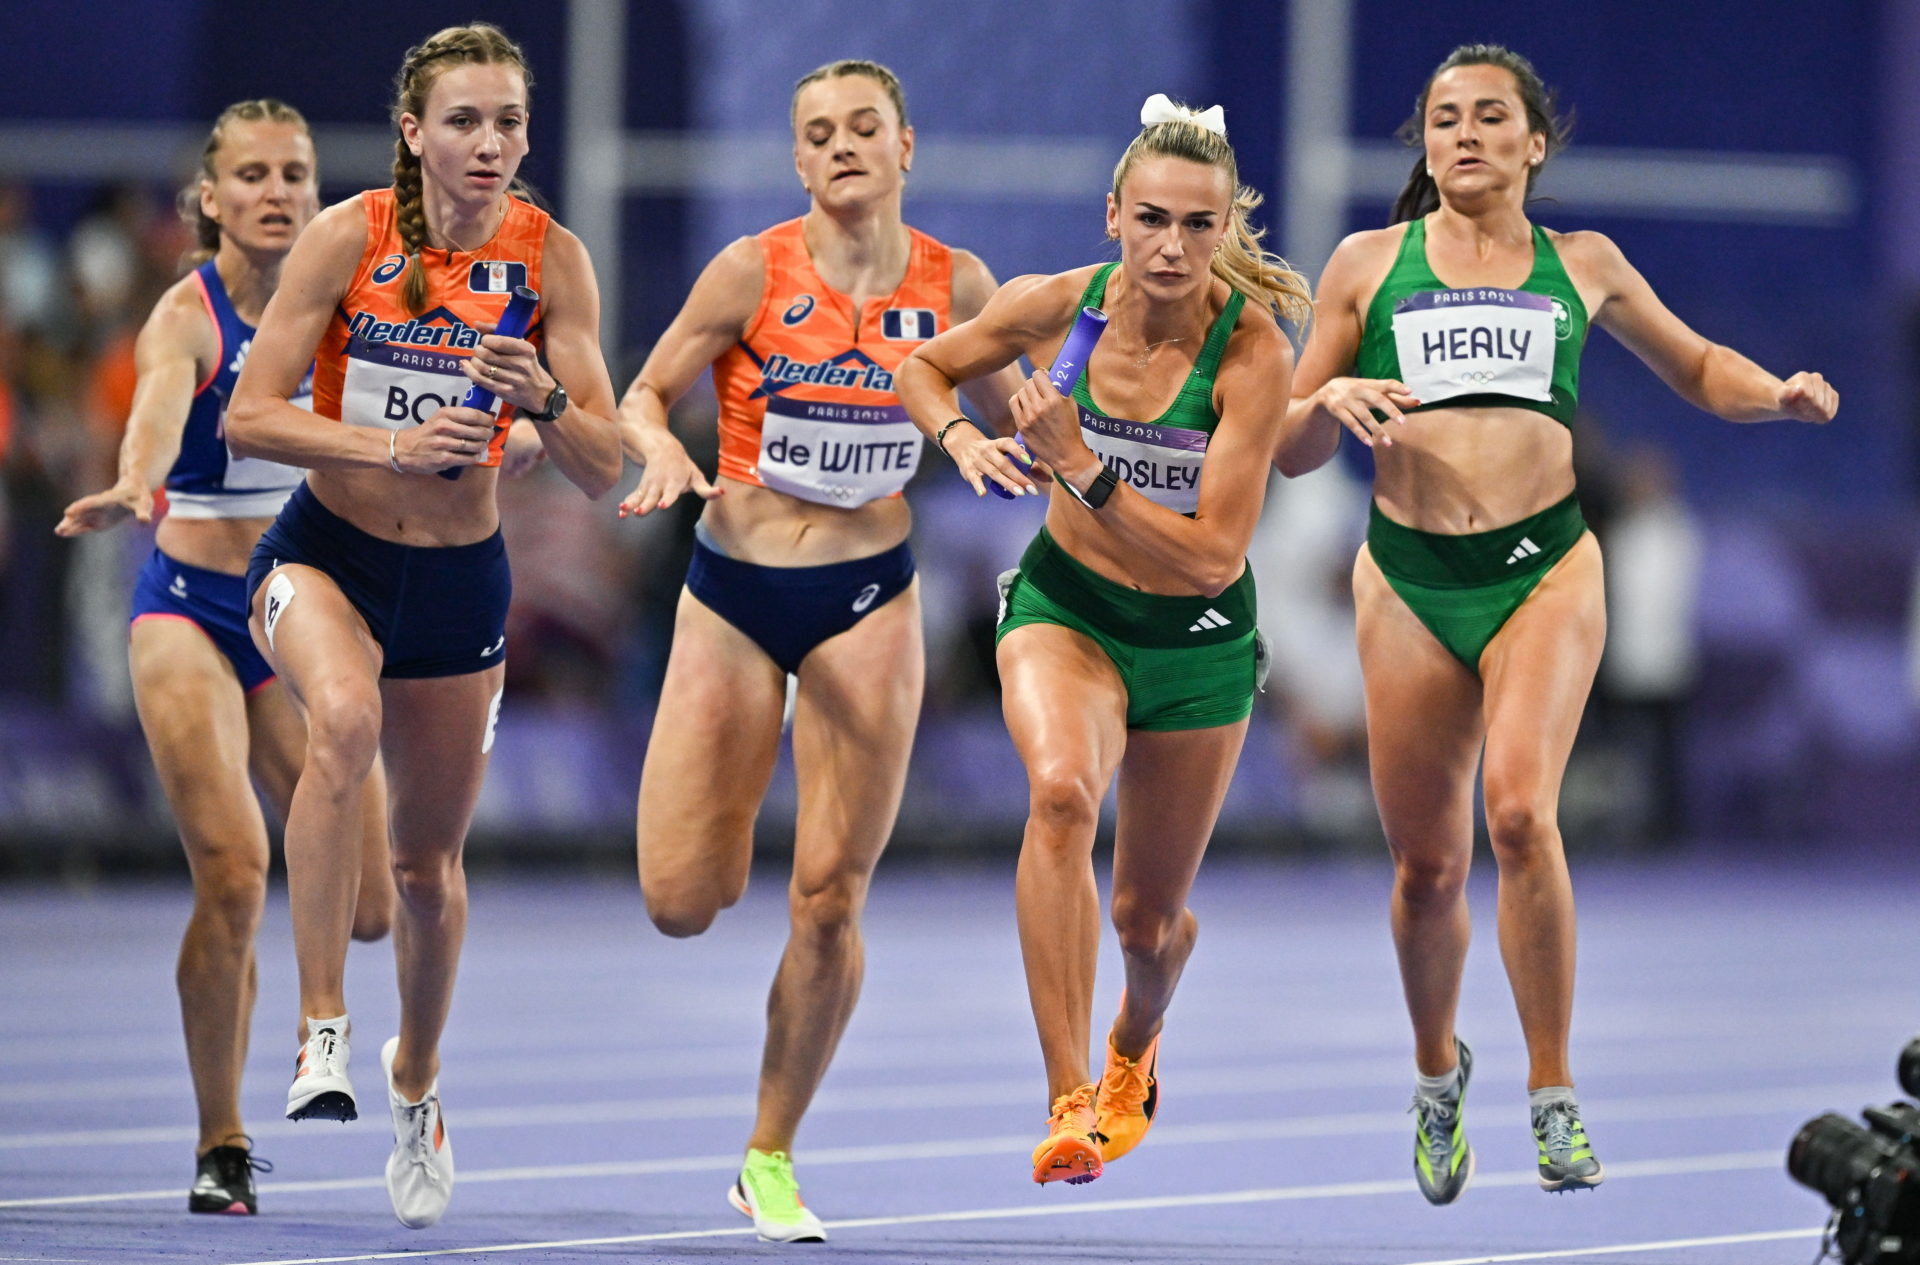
<point x="599" y="1077"/>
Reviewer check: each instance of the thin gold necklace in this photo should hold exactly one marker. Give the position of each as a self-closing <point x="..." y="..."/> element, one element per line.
<point x="1140" y="361"/>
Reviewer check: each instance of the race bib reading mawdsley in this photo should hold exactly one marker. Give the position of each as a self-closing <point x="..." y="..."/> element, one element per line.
<point x="1162" y="463"/>
<point x="836" y="454"/>
<point x="1476" y="341"/>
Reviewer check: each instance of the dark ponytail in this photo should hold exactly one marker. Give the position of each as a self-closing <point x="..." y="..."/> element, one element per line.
<point x="1420" y="194"/>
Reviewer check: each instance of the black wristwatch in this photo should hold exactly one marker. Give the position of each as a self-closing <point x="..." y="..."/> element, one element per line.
<point x="556" y="405"/>
<point x="1098" y="491"/>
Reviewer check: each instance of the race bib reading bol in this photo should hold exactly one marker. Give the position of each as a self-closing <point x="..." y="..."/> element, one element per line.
<point x="836" y="454"/>
<point x="1475" y="342"/>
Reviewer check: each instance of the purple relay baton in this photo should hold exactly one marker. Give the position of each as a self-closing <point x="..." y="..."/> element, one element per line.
<point x="1068" y="365"/>
<point x="513" y="324"/>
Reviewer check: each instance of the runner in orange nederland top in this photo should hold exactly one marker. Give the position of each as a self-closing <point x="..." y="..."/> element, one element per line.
<point x="380" y="594"/>
<point x="801" y="567"/>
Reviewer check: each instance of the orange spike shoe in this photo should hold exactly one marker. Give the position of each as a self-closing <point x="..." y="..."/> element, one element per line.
<point x="1071" y="1152"/>
<point x="1129" y="1093"/>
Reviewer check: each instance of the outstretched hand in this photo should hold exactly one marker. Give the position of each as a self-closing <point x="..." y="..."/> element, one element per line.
<point x="666" y="473"/>
<point x="105" y="509"/>
<point x="1352" y="402"/>
<point x="1807" y="397"/>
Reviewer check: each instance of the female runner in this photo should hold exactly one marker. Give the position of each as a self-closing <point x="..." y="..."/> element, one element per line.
<point x="801" y="568"/>
<point x="1126" y="639"/>
<point x="209" y="704"/>
<point x="380" y="593"/>
<point x="1479" y="588"/>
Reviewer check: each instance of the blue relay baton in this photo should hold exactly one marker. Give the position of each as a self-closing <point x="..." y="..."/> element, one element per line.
<point x="1068" y="365"/>
<point x="513" y="324"/>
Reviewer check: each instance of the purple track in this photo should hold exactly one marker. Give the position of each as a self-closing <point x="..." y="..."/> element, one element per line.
<point x="599" y="1080"/>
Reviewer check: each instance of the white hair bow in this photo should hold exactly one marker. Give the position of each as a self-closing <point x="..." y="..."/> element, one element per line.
<point x="1159" y="108"/>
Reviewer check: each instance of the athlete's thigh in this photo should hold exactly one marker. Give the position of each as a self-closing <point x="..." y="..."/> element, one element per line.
<point x="311" y="633"/>
<point x="1423" y="720"/>
<point x="1172" y="784"/>
<point x="278" y="743"/>
<point x="1538" y="670"/>
<point x="1064" y="703"/>
<point x="194" y="715"/>
<point x="435" y="739"/>
<point x="853" y="724"/>
<point x="716" y="734"/>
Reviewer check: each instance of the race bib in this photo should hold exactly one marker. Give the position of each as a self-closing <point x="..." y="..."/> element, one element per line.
<point x="837" y="454"/>
<point x="1475" y="342"/>
<point x="392" y="387"/>
<point x="1162" y="463"/>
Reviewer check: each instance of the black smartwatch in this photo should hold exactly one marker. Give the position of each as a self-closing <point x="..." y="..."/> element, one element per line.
<point x="1098" y="491"/>
<point x="556" y="405"/>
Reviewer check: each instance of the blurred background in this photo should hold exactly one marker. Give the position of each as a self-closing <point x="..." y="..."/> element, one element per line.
<point x="1760" y="166"/>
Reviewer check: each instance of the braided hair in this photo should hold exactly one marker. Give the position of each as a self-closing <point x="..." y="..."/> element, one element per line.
<point x="479" y="43"/>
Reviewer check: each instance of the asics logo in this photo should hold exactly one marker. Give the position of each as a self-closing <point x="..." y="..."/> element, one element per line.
<point x="495" y="647"/>
<point x="866" y="597"/>
<point x="799" y="310"/>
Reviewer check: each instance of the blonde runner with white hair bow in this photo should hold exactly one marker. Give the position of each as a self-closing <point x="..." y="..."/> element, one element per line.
<point x="1160" y="108"/>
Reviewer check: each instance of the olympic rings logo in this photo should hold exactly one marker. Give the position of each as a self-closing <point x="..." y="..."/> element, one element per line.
<point x="1478" y="377"/>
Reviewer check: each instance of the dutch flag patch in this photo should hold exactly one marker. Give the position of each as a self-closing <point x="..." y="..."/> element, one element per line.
<point x="908" y="324"/>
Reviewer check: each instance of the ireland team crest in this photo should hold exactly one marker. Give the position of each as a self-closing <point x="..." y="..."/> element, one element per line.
<point x="1562" y="320"/>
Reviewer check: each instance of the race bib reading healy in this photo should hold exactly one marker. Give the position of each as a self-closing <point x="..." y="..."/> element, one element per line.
<point x="1162" y="463"/>
<point x="1478" y="341"/>
<point x="836" y="454"/>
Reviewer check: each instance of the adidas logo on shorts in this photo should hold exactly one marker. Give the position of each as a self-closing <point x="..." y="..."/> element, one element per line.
<point x="1525" y="549"/>
<point x="1208" y="622"/>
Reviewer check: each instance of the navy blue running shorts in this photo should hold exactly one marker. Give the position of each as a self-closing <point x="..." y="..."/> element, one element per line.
<point x="214" y="603"/>
<point x="435" y="611"/>
<point x="787" y="611"/>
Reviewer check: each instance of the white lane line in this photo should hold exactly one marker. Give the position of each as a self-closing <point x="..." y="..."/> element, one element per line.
<point x="1197" y="1084"/>
<point x="1685" y="1165"/>
<point x="1620" y="1249"/>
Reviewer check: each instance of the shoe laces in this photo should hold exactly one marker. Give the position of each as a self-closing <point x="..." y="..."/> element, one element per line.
<point x="418" y="1134"/>
<point x="1437" y="1118"/>
<point x="1123" y="1087"/>
<point x="1067" y="1107"/>
<point x="1555" y="1123"/>
<point x="241" y="1158"/>
<point x="774" y="1187"/>
<point x="325" y="1045"/>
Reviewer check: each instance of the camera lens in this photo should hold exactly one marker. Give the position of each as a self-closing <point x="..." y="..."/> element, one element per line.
<point x="1832" y="1154"/>
<point x="1910" y="1067"/>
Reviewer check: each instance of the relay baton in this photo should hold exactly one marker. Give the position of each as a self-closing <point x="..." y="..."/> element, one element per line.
<point x="1067" y="367"/>
<point x="513" y="324"/>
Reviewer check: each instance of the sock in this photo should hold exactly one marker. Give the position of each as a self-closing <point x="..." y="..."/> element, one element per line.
<point x="1439" y="1087"/>
<point x="338" y="1023"/>
<point x="1538" y="1098"/>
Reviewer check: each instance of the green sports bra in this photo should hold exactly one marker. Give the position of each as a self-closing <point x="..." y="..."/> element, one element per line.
<point x="1161" y="458"/>
<point x="1477" y="346"/>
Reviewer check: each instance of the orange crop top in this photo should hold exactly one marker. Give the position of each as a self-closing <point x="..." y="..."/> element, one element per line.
<point x="379" y="365"/>
<point x="807" y="405"/>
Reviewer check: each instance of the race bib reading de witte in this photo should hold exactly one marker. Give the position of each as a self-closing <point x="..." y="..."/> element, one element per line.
<point x="836" y="454"/>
